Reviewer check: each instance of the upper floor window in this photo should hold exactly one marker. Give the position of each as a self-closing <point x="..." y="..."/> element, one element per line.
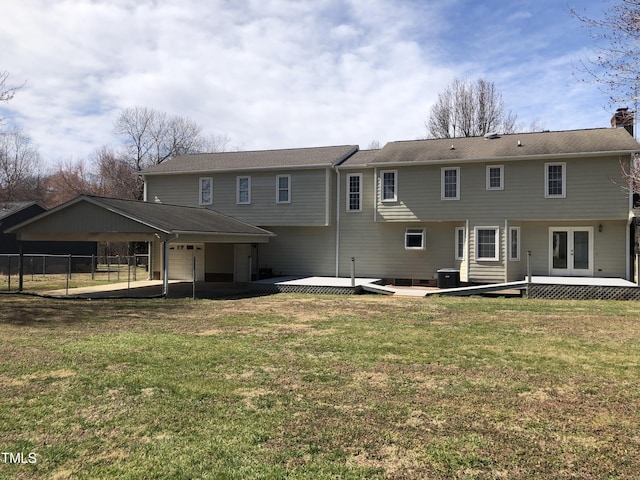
<point x="206" y="191"/>
<point x="283" y="189"/>
<point x="495" y="177"/>
<point x="243" y="195"/>
<point x="389" y="185"/>
<point x="451" y="183"/>
<point x="555" y="180"/>
<point x="354" y="192"/>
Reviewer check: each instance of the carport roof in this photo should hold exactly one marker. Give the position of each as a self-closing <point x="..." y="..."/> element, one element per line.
<point x="158" y="217"/>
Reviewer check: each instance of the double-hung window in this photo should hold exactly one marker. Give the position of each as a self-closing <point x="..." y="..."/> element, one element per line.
<point x="451" y="183"/>
<point x="555" y="180"/>
<point x="414" y="239"/>
<point x="487" y="243"/>
<point x="283" y="188"/>
<point x="354" y="192"/>
<point x="243" y="188"/>
<point x="389" y="185"/>
<point x="495" y="177"/>
<point x="205" y="191"/>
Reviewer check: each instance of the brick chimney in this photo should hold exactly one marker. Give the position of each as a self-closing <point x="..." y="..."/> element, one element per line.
<point x="623" y="118"/>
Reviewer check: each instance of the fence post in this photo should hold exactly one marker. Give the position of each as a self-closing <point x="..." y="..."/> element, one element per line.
<point x="20" y="269"/>
<point x="68" y="275"/>
<point x="128" y="275"/>
<point x="93" y="267"/>
<point x="118" y="263"/>
<point x="193" y="292"/>
<point x="9" y="274"/>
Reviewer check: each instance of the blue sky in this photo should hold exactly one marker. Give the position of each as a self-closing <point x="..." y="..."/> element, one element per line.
<point x="283" y="73"/>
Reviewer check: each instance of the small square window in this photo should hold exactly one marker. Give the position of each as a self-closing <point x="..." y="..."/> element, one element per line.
<point x="495" y="177"/>
<point x="414" y="239"/>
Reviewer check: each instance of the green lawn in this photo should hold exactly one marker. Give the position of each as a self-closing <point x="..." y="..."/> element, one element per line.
<point x="294" y="386"/>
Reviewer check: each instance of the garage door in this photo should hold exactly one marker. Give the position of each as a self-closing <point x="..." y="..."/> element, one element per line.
<point x="181" y="261"/>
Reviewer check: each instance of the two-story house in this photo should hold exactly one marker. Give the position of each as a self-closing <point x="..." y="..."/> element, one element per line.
<point x="414" y="207"/>
<point x="478" y="205"/>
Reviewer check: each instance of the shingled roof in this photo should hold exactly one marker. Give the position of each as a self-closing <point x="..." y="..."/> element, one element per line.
<point x="163" y="218"/>
<point x="513" y="146"/>
<point x="254" y="160"/>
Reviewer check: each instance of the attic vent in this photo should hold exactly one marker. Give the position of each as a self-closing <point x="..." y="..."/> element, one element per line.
<point x="491" y="136"/>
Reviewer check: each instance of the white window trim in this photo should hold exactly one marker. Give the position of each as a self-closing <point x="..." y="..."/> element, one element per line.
<point x="459" y="231"/>
<point x="517" y="256"/>
<point x="278" y="177"/>
<point x="248" y="190"/>
<point x="501" y="168"/>
<point x="348" y="189"/>
<point x="415" y="231"/>
<point x="496" y="257"/>
<point x="564" y="179"/>
<point x="200" y="182"/>
<point x="442" y="189"/>
<point x="395" y="186"/>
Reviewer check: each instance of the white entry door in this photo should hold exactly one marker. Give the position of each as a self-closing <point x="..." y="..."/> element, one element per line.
<point x="571" y="251"/>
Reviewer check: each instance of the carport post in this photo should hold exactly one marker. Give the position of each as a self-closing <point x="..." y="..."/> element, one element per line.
<point x="165" y="268"/>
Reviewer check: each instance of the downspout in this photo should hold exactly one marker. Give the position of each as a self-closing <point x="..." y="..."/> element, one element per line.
<point x="628" y="248"/>
<point x="337" y="221"/>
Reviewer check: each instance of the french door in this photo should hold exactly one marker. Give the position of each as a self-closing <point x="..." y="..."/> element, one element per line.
<point x="571" y="251"/>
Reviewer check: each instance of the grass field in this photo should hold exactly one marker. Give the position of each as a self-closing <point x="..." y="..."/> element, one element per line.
<point x="293" y="386"/>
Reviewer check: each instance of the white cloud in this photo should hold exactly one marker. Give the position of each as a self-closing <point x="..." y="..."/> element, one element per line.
<point x="270" y="74"/>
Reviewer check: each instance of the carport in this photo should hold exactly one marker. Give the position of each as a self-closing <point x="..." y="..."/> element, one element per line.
<point x="91" y="218"/>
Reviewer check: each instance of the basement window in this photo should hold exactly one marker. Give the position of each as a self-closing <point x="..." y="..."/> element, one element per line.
<point x="414" y="239"/>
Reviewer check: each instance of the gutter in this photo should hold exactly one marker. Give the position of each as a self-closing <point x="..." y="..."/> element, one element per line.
<point x="556" y="156"/>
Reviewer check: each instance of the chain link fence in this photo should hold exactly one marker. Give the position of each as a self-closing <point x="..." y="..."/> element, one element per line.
<point x="44" y="270"/>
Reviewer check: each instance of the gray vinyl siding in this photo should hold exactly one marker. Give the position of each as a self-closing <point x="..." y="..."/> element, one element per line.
<point x="84" y="217"/>
<point x="299" y="251"/>
<point x="590" y="193"/>
<point x="308" y="194"/>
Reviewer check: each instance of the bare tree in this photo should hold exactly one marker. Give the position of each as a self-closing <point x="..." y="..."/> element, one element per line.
<point x="21" y="169"/>
<point x="6" y="92"/>
<point x="115" y="176"/>
<point x="150" y="137"/>
<point x="615" y="65"/>
<point x="469" y="109"/>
